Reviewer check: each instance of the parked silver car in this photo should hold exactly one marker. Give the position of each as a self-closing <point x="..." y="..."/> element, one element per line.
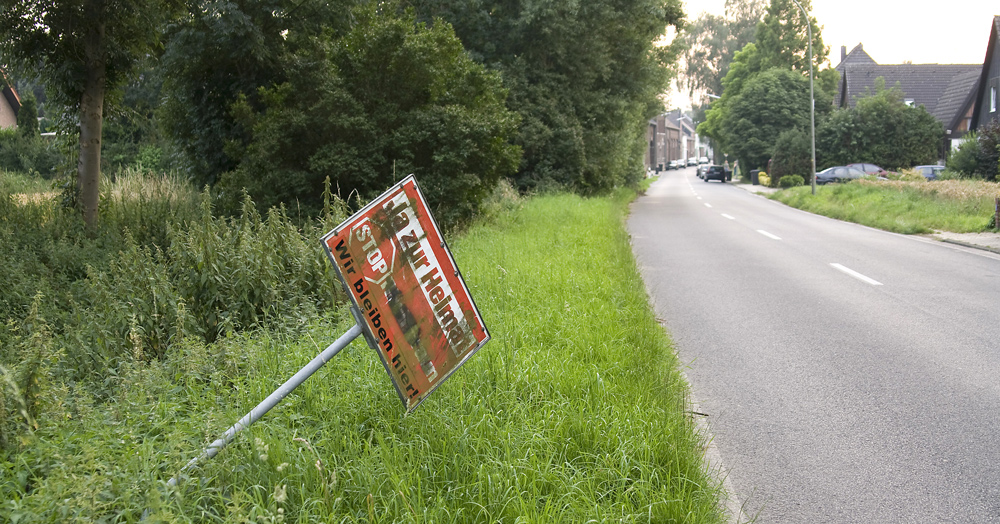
<point x="838" y="174"/>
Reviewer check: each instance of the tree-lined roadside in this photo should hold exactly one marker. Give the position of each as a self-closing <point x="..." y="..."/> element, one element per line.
<point x="575" y="411"/>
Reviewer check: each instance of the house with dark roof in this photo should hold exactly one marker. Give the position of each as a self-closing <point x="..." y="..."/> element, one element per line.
<point x="986" y="103"/>
<point x="945" y="90"/>
<point x="10" y="103"/>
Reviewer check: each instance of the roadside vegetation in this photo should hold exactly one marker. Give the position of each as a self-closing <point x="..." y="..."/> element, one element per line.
<point x="909" y="207"/>
<point x="124" y="353"/>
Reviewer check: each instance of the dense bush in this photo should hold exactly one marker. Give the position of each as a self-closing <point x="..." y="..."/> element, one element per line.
<point x="77" y="306"/>
<point x="792" y="154"/>
<point x="880" y="129"/>
<point x="769" y="104"/>
<point x="965" y="158"/>
<point x="978" y="155"/>
<point x="390" y="98"/>
<point x="583" y="76"/>
<point x="790" y="181"/>
<point x="28" y="153"/>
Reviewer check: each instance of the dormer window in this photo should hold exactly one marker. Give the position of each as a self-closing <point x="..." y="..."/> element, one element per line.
<point x="908" y="102"/>
<point x="993" y="100"/>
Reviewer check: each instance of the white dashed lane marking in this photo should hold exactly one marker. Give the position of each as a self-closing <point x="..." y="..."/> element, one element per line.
<point x="856" y="275"/>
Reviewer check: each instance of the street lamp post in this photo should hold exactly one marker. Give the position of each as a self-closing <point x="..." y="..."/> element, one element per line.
<point x="812" y="96"/>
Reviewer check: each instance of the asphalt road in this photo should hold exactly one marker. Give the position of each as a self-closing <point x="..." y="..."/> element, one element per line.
<point x="848" y="374"/>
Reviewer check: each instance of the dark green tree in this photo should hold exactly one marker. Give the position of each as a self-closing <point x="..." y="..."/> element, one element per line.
<point x="770" y="103"/>
<point x="880" y="129"/>
<point x="584" y="76"/>
<point x="84" y="50"/>
<point x="792" y="155"/>
<point x="27" y="116"/>
<point x="711" y="42"/>
<point x="782" y="37"/>
<point x="222" y="51"/>
<point x="745" y="66"/>
<point x="390" y="98"/>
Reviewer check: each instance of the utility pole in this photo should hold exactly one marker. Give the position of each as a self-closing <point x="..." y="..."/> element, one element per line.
<point x="812" y="96"/>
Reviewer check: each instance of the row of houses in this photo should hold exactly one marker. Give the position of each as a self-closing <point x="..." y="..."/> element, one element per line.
<point x="671" y="136"/>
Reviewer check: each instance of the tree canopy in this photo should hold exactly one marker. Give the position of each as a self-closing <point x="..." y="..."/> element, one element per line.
<point x="781" y="44"/>
<point x="769" y="103"/>
<point x="83" y="50"/>
<point x="711" y="41"/>
<point x="880" y="129"/>
<point x="389" y="98"/>
<point x="584" y="77"/>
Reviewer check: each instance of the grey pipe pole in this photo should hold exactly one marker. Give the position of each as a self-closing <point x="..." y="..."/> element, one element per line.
<point x="812" y="96"/>
<point x="272" y="400"/>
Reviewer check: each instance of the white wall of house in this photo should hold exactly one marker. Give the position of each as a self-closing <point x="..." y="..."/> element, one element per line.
<point x="8" y="119"/>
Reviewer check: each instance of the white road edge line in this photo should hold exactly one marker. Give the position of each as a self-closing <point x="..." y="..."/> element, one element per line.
<point x="768" y="235"/>
<point x="856" y="275"/>
<point x="730" y="217"/>
<point x="707" y="204"/>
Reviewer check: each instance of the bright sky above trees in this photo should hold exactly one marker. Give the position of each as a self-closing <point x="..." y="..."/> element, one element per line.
<point x="894" y="32"/>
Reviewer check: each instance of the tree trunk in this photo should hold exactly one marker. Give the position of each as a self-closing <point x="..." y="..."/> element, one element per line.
<point x="91" y="121"/>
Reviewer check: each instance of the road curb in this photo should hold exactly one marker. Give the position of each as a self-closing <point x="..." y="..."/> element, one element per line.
<point x="969" y="245"/>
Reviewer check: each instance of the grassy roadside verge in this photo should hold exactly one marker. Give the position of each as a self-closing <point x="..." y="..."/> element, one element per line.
<point x="573" y="413"/>
<point x="960" y="206"/>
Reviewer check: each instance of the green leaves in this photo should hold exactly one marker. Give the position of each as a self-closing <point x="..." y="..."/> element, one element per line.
<point x="770" y="103"/>
<point x="880" y="129"/>
<point x="389" y="98"/>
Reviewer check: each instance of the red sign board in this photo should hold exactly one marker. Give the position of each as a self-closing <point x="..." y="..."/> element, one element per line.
<point x="414" y="306"/>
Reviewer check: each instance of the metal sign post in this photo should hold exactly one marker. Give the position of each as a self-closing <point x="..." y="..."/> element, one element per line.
<point x="272" y="400"/>
<point x="407" y="297"/>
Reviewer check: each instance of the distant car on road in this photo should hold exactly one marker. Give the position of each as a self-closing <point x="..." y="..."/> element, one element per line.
<point x="692" y="161"/>
<point x="676" y="164"/>
<point x="869" y="169"/>
<point x="929" y="172"/>
<point x="703" y="160"/>
<point x="715" y="173"/>
<point x="838" y="174"/>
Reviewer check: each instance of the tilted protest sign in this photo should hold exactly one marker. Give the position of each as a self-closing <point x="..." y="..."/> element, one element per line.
<point x="408" y="298"/>
<point x="414" y="307"/>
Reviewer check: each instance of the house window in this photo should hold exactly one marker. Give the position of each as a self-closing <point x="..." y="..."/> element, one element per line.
<point x="993" y="100"/>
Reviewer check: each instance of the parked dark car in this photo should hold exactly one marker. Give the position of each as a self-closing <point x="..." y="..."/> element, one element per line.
<point x="838" y="174"/>
<point x="715" y="173"/>
<point x="929" y="172"/>
<point x="869" y="169"/>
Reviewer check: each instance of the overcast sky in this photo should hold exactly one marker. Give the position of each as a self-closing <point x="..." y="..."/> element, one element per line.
<point x="892" y="31"/>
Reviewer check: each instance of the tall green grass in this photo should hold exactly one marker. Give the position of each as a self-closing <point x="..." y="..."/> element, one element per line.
<point x="574" y="412"/>
<point x="902" y="207"/>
